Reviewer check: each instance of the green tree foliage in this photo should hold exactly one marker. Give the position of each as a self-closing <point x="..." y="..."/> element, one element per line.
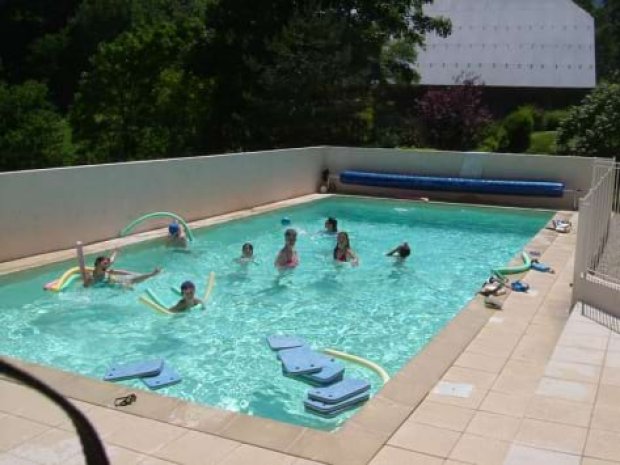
<point x="607" y="19"/>
<point x="61" y="57"/>
<point x="593" y="128"/>
<point x="21" y="23"/>
<point x="32" y="134"/>
<point x="139" y="101"/>
<point x="251" y="40"/>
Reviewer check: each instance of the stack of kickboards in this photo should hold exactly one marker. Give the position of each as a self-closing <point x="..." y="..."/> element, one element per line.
<point x="333" y="394"/>
<point x="155" y="374"/>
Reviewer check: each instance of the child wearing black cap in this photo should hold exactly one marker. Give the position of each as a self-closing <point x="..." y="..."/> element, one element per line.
<point x="188" y="289"/>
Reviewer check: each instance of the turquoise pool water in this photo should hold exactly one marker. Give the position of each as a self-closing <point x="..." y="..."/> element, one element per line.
<point x="381" y="310"/>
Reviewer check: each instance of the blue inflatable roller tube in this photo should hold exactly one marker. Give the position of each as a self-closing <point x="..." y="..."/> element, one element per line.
<point x="455" y="184"/>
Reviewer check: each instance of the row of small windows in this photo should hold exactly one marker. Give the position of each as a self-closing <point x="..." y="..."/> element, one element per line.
<point x="508" y="46"/>
<point x="530" y="27"/>
<point x="506" y="65"/>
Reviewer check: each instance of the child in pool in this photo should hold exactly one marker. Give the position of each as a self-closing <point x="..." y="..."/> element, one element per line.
<point x="331" y="225"/>
<point x="175" y="237"/>
<point x="188" y="300"/>
<point x="103" y="274"/>
<point x="247" y="253"/>
<point x="401" y="252"/>
<point x="343" y="251"/>
<point x="287" y="257"/>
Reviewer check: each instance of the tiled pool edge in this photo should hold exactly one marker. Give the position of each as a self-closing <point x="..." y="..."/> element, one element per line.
<point x="355" y="443"/>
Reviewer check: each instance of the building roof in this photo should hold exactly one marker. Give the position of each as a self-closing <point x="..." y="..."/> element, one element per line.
<point x="511" y="43"/>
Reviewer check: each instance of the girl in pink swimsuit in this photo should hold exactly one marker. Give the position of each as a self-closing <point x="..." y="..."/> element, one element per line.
<point x="287" y="257"/>
<point x="343" y="251"/>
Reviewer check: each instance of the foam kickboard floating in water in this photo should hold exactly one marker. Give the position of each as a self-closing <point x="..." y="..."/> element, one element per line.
<point x="331" y="409"/>
<point x="301" y="360"/>
<point x="340" y="391"/>
<point x="279" y="342"/>
<point x="331" y="372"/>
<point x="134" y="370"/>
<point x="167" y="377"/>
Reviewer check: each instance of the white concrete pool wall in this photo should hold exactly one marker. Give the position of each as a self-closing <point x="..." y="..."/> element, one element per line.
<point x="48" y="210"/>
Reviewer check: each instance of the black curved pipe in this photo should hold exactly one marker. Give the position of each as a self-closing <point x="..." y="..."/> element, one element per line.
<point x="92" y="447"/>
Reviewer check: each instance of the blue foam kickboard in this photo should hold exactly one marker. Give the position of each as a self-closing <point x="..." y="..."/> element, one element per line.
<point x="301" y="360"/>
<point x="331" y="372"/>
<point x="334" y="409"/>
<point x="134" y="370"/>
<point x="279" y="342"/>
<point x="340" y="391"/>
<point x="167" y="377"/>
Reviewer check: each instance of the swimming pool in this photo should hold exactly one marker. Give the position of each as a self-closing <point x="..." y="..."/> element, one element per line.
<point x="381" y="310"/>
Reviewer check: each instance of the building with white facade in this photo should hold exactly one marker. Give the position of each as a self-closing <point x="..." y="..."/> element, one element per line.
<point x="511" y="43"/>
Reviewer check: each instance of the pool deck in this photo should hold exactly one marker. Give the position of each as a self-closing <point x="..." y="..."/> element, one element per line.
<point x="531" y="384"/>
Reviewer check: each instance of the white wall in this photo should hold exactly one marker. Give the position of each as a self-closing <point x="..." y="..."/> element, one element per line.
<point x="514" y="43"/>
<point x="46" y="210"/>
<point x="574" y="172"/>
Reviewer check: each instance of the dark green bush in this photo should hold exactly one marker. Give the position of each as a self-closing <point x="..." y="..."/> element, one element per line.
<point x="519" y="126"/>
<point x="552" y="119"/>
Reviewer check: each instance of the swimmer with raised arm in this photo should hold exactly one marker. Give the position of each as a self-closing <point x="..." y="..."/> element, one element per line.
<point x="188" y="299"/>
<point x="103" y="274"/>
<point x="287" y="257"/>
<point x="343" y="251"/>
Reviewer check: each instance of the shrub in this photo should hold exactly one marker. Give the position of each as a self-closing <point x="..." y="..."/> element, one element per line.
<point x="454" y="118"/>
<point x="542" y="142"/>
<point x="552" y="119"/>
<point x="591" y="129"/>
<point x="495" y="138"/>
<point x="518" y="125"/>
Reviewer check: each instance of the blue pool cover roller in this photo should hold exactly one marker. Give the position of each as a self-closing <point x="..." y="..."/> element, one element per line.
<point x="455" y="184"/>
<point x="134" y="370"/>
<point x="167" y="377"/>
<point x="339" y="392"/>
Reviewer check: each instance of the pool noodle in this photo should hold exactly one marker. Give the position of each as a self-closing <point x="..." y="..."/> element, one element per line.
<point x="188" y="232"/>
<point x="360" y="361"/>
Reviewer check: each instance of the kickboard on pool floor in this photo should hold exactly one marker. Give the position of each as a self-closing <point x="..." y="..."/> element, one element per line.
<point x="279" y="342"/>
<point x="335" y="409"/>
<point x="167" y="377"/>
<point x="302" y="360"/>
<point x="340" y="391"/>
<point x="131" y="370"/>
<point x="331" y="372"/>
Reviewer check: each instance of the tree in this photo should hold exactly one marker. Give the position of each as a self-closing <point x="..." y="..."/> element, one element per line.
<point x="593" y="128"/>
<point x="454" y="117"/>
<point x="139" y="100"/>
<point x="32" y="134"/>
<point x="62" y="56"/>
<point x="21" y="24"/>
<point x="608" y="39"/>
<point x="255" y="47"/>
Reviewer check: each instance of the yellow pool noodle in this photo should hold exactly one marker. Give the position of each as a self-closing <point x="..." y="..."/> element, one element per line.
<point x="360" y="361"/>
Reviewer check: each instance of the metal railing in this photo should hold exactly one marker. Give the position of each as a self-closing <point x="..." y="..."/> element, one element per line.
<point x="597" y="256"/>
